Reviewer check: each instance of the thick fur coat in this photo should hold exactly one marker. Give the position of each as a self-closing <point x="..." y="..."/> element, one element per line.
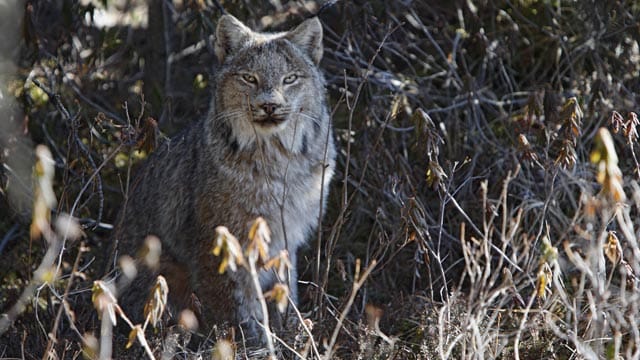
<point x="265" y="149"/>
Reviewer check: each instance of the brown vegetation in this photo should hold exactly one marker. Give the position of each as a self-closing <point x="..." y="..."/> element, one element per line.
<point x="486" y="201"/>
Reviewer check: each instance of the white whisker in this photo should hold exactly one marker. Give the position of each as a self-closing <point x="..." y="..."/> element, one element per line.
<point x="315" y="119"/>
<point x="229" y="115"/>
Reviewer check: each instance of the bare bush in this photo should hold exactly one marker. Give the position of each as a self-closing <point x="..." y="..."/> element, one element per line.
<point x="487" y="195"/>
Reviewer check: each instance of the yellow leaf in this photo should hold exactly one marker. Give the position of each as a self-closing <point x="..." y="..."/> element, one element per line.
<point x="595" y="156"/>
<point x="259" y="239"/>
<point x="612" y="248"/>
<point x="223" y="265"/>
<point x="103" y="299"/>
<point x="216" y="250"/>
<point x="133" y="334"/>
<point x="541" y="284"/>
<point x="549" y="252"/>
<point x="279" y="294"/>
<point x="227" y="246"/>
<point x="280" y="263"/>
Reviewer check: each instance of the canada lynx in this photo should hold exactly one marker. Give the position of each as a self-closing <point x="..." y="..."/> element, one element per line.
<point x="265" y="149"/>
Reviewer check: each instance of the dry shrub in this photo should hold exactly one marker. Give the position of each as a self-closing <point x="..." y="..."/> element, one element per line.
<point x="474" y="170"/>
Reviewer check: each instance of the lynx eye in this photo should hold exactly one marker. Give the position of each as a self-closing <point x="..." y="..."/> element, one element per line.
<point x="290" y="79"/>
<point x="249" y="78"/>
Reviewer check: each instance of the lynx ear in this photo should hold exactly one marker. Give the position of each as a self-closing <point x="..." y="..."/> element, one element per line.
<point x="231" y="36"/>
<point x="308" y="36"/>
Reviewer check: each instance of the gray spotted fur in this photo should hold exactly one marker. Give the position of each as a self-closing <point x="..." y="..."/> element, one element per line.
<point x="232" y="167"/>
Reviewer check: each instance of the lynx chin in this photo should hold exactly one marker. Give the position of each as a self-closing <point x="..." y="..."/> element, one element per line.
<point x="265" y="149"/>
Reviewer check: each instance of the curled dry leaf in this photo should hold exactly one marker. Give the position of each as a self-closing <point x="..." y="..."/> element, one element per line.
<point x="427" y="130"/>
<point x="533" y="109"/>
<point x="227" y="246"/>
<point x="434" y="174"/>
<point x="133" y="334"/>
<point x="280" y="263"/>
<point x="543" y="281"/>
<point x="148" y="135"/>
<point x="571" y="116"/>
<point x="428" y="141"/>
<point x="526" y="150"/>
<point x="617" y="122"/>
<point x="631" y="128"/>
<point x="567" y="156"/>
<point x="545" y="273"/>
<point x="104" y="300"/>
<point x="549" y="252"/>
<point x="612" y="248"/>
<point x="157" y="303"/>
<point x="608" y="173"/>
<point x="279" y="294"/>
<point x="259" y="239"/>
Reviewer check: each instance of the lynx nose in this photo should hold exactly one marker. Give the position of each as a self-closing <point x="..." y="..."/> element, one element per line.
<point x="270" y="108"/>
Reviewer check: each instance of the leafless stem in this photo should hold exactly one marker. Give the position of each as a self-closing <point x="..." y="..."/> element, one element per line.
<point x="263" y="303"/>
<point x="64" y="304"/>
<point x="357" y="284"/>
<point x="305" y="328"/>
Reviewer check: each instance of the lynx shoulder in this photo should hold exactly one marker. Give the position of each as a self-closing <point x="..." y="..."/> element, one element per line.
<point x="264" y="150"/>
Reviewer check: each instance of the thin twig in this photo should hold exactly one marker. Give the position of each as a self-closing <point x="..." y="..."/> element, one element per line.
<point x="63" y="302"/>
<point x="263" y="303"/>
<point x="357" y="284"/>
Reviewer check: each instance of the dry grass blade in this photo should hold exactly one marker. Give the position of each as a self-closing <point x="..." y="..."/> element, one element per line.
<point x="358" y="282"/>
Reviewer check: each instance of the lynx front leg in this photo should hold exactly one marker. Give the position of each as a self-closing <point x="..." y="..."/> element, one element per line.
<point x="215" y="293"/>
<point x="229" y="299"/>
<point x="249" y="313"/>
<point x="180" y="290"/>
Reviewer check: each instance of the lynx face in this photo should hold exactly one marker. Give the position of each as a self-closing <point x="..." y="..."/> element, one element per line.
<point x="269" y="84"/>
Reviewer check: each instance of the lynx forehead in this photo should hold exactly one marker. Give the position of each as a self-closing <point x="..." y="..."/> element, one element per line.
<point x="264" y="150"/>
